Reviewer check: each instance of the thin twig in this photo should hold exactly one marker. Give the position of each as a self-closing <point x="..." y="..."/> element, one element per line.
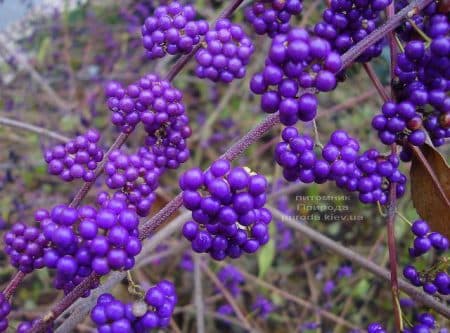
<point x="227" y="296"/>
<point x="302" y="302"/>
<point x="23" y="62"/>
<point x="198" y="295"/>
<point x="32" y="128"/>
<point x="358" y="259"/>
<point x="376" y="82"/>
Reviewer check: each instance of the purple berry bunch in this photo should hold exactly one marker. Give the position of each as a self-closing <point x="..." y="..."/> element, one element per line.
<point x="272" y="17"/>
<point x="225" y="54"/>
<point x="66" y="252"/>
<point x="135" y="175"/>
<point x="161" y="300"/>
<point x="345" y="23"/>
<point x="422" y="81"/>
<point x="296" y="61"/>
<point x="398" y="122"/>
<point x="375" y="328"/>
<point x="25" y="247"/>
<point x="372" y="175"/>
<point x="232" y="279"/>
<point x="169" y="143"/>
<point x="112" y="315"/>
<point x="295" y="154"/>
<point x="150" y="100"/>
<point x="25" y="327"/>
<point x="5" y="309"/>
<point x="87" y="239"/>
<point x="77" y="159"/>
<point x="368" y="173"/>
<point x="173" y="30"/>
<point x="424" y="323"/>
<point x="228" y="211"/>
<point x="117" y="240"/>
<point x="436" y="279"/>
<point x="262" y="307"/>
<point x="186" y="263"/>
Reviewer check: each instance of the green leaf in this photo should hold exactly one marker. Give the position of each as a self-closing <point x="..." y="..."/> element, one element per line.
<point x="266" y="255"/>
<point x="361" y="289"/>
<point x="44" y="47"/>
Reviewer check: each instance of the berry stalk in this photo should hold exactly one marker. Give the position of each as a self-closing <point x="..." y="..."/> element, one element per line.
<point x="235" y="150"/>
<point x="392" y="204"/>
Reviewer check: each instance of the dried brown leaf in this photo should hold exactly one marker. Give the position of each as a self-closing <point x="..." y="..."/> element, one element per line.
<point x="430" y="188"/>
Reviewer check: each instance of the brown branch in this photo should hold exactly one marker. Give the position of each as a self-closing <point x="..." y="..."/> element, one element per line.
<point x="32" y="128"/>
<point x="302" y="302"/>
<point x="227" y="296"/>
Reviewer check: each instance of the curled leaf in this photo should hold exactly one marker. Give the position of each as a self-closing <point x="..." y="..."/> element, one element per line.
<point x="430" y="188"/>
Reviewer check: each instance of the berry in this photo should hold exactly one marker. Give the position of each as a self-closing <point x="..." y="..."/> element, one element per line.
<point x="227" y="210"/>
<point x="136" y="175"/>
<point x="5" y="309"/>
<point x="226" y="53"/>
<point x="25" y="246"/>
<point x="77" y="159"/>
<point x="172" y="30"/>
<point x="272" y="17"/>
<point x="346" y="23"/>
<point x="289" y="69"/>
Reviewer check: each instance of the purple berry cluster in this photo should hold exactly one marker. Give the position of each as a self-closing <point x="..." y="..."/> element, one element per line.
<point x="25" y="247"/>
<point x="169" y="143"/>
<point x="77" y="159"/>
<point x="228" y="211"/>
<point x="345" y="23"/>
<point x="372" y="175"/>
<point x="272" y="17"/>
<point x="136" y="175"/>
<point x="112" y="315"/>
<point x="5" y="309"/>
<point x="424" y="323"/>
<point x="262" y="307"/>
<point x="422" y="68"/>
<point x="295" y="154"/>
<point x="87" y="239"/>
<point x="117" y="240"/>
<point x="375" y="328"/>
<point x="368" y="174"/>
<point x="232" y="279"/>
<point x="296" y="61"/>
<point x="25" y="327"/>
<point x="172" y="30"/>
<point x="226" y="52"/>
<point x="186" y="263"/>
<point x="284" y="236"/>
<point x="434" y="280"/>
<point x="398" y="121"/>
<point x="151" y="100"/>
<point x="422" y="81"/>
